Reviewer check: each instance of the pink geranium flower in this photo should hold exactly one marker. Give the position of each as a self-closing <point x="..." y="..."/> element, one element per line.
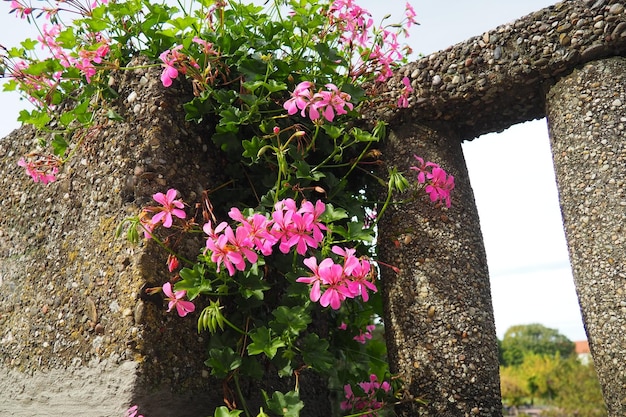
<point x="440" y="186"/>
<point x="175" y="299"/>
<point x="300" y="98"/>
<point x="43" y="170"/>
<point x="422" y="168"/>
<point x="330" y="103"/>
<point x="403" y="100"/>
<point x="230" y="248"/>
<point x="133" y="412"/>
<point x="170" y="206"/>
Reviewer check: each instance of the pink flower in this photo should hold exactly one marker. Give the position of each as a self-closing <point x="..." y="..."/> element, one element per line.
<point x="172" y="263"/>
<point x="330" y="102"/>
<point x="440" y="186"/>
<point x="325" y="103"/>
<point x="148" y="227"/>
<point x="174" y="299"/>
<point x="300" y="228"/>
<point x="43" y="170"/>
<point x="171" y="60"/>
<point x="410" y="14"/>
<point x="257" y="230"/>
<point x="403" y="100"/>
<point x="19" y="9"/>
<point x="361" y="282"/>
<point x="329" y="275"/>
<point x="316" y="280"/>
<point x="337" y="291"/>
<point x="132" y="412"/>
<point x="369" y="401"/>
<point x="230" y="248"/>
<point x="364" y="336"/>
<point x="300" y="98"/>
<point x="170" y="206"/>
<point x="422" y="169"/>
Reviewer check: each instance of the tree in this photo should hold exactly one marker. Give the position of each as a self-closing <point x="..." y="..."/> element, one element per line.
<point x="521" y="340"/>
<point x="578" y="391"/>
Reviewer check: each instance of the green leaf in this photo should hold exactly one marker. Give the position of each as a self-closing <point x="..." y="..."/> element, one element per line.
<point x="67" y="118"/>
<point x="263" y="342"/>
<point x="194" y="282"/>
<point x="287" y="405"/>
<point x="303" y="170"/>
<point x="332" y="214"/>
<point x="112" y="115"/>
<point x="292" y="320"/>
<point x="253" y="69"/>
<point x="37" y="118"/>
<point x="332" y="130"/>
<point x="29" y="44"/>
<point x="222" y="361"/>
<point x="315" y="353"/>
<point x="59" y="145"/>
<point x="252" y="148"/>
<point x="358" y="233"/>
<point x="223" y="411"/>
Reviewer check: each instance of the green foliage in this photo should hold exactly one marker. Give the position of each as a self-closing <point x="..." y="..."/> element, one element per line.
<point x="522" y="340"/>
<point x="538" y="373"/>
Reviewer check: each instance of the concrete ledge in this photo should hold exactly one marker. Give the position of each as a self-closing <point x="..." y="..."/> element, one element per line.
<point x="500" y="78"/>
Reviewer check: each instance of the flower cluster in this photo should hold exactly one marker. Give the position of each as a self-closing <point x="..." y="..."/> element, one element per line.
<point x="363" y="336"/>
<point x="379" y="48"/>
<point x="22" y="10"/>
<point x="44" y="169"/>
<point x="289" y="226"/>
<point x="332" y="283"/>
<point x="439" y="183"/>
<point x="324" y="103"/>
<point x="369" y="401"/>
<point x="175" y="61"/>
<point x="85" y="59"/>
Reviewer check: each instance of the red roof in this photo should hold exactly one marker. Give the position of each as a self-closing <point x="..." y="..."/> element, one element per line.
<point x="582" y="347"/>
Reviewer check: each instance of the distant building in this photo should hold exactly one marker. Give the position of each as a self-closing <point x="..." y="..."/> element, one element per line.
<point x="582" y="351"/>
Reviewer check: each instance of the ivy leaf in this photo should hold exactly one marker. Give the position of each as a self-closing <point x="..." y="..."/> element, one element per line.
<point x="332" y="214"/>
<point x="59" y="145"/>
<point x="287" y="405"/>
<point x="223" y="411"/>
<point x="290" y="319"/>
<point x="39" y="119"/>
<point x="303" y="170"/>
<point x="356" y="232"/>
<point x="194" y="282"/>
<point x="315" y="353"/>
<point x="252" y="148"/>
<point x="263" y="342"/>
<point x="222" y="361"/>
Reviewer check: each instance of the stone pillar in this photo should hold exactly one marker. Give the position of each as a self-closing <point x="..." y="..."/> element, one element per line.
<point x="439" y="320"/>
<point x="586" y="115"/>
<point x="77" y="335"/>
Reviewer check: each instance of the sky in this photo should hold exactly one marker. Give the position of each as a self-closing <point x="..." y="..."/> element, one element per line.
<point x="511" y="172"/>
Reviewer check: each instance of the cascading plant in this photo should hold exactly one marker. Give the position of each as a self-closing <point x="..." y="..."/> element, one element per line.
<point x="284" y="86"/>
